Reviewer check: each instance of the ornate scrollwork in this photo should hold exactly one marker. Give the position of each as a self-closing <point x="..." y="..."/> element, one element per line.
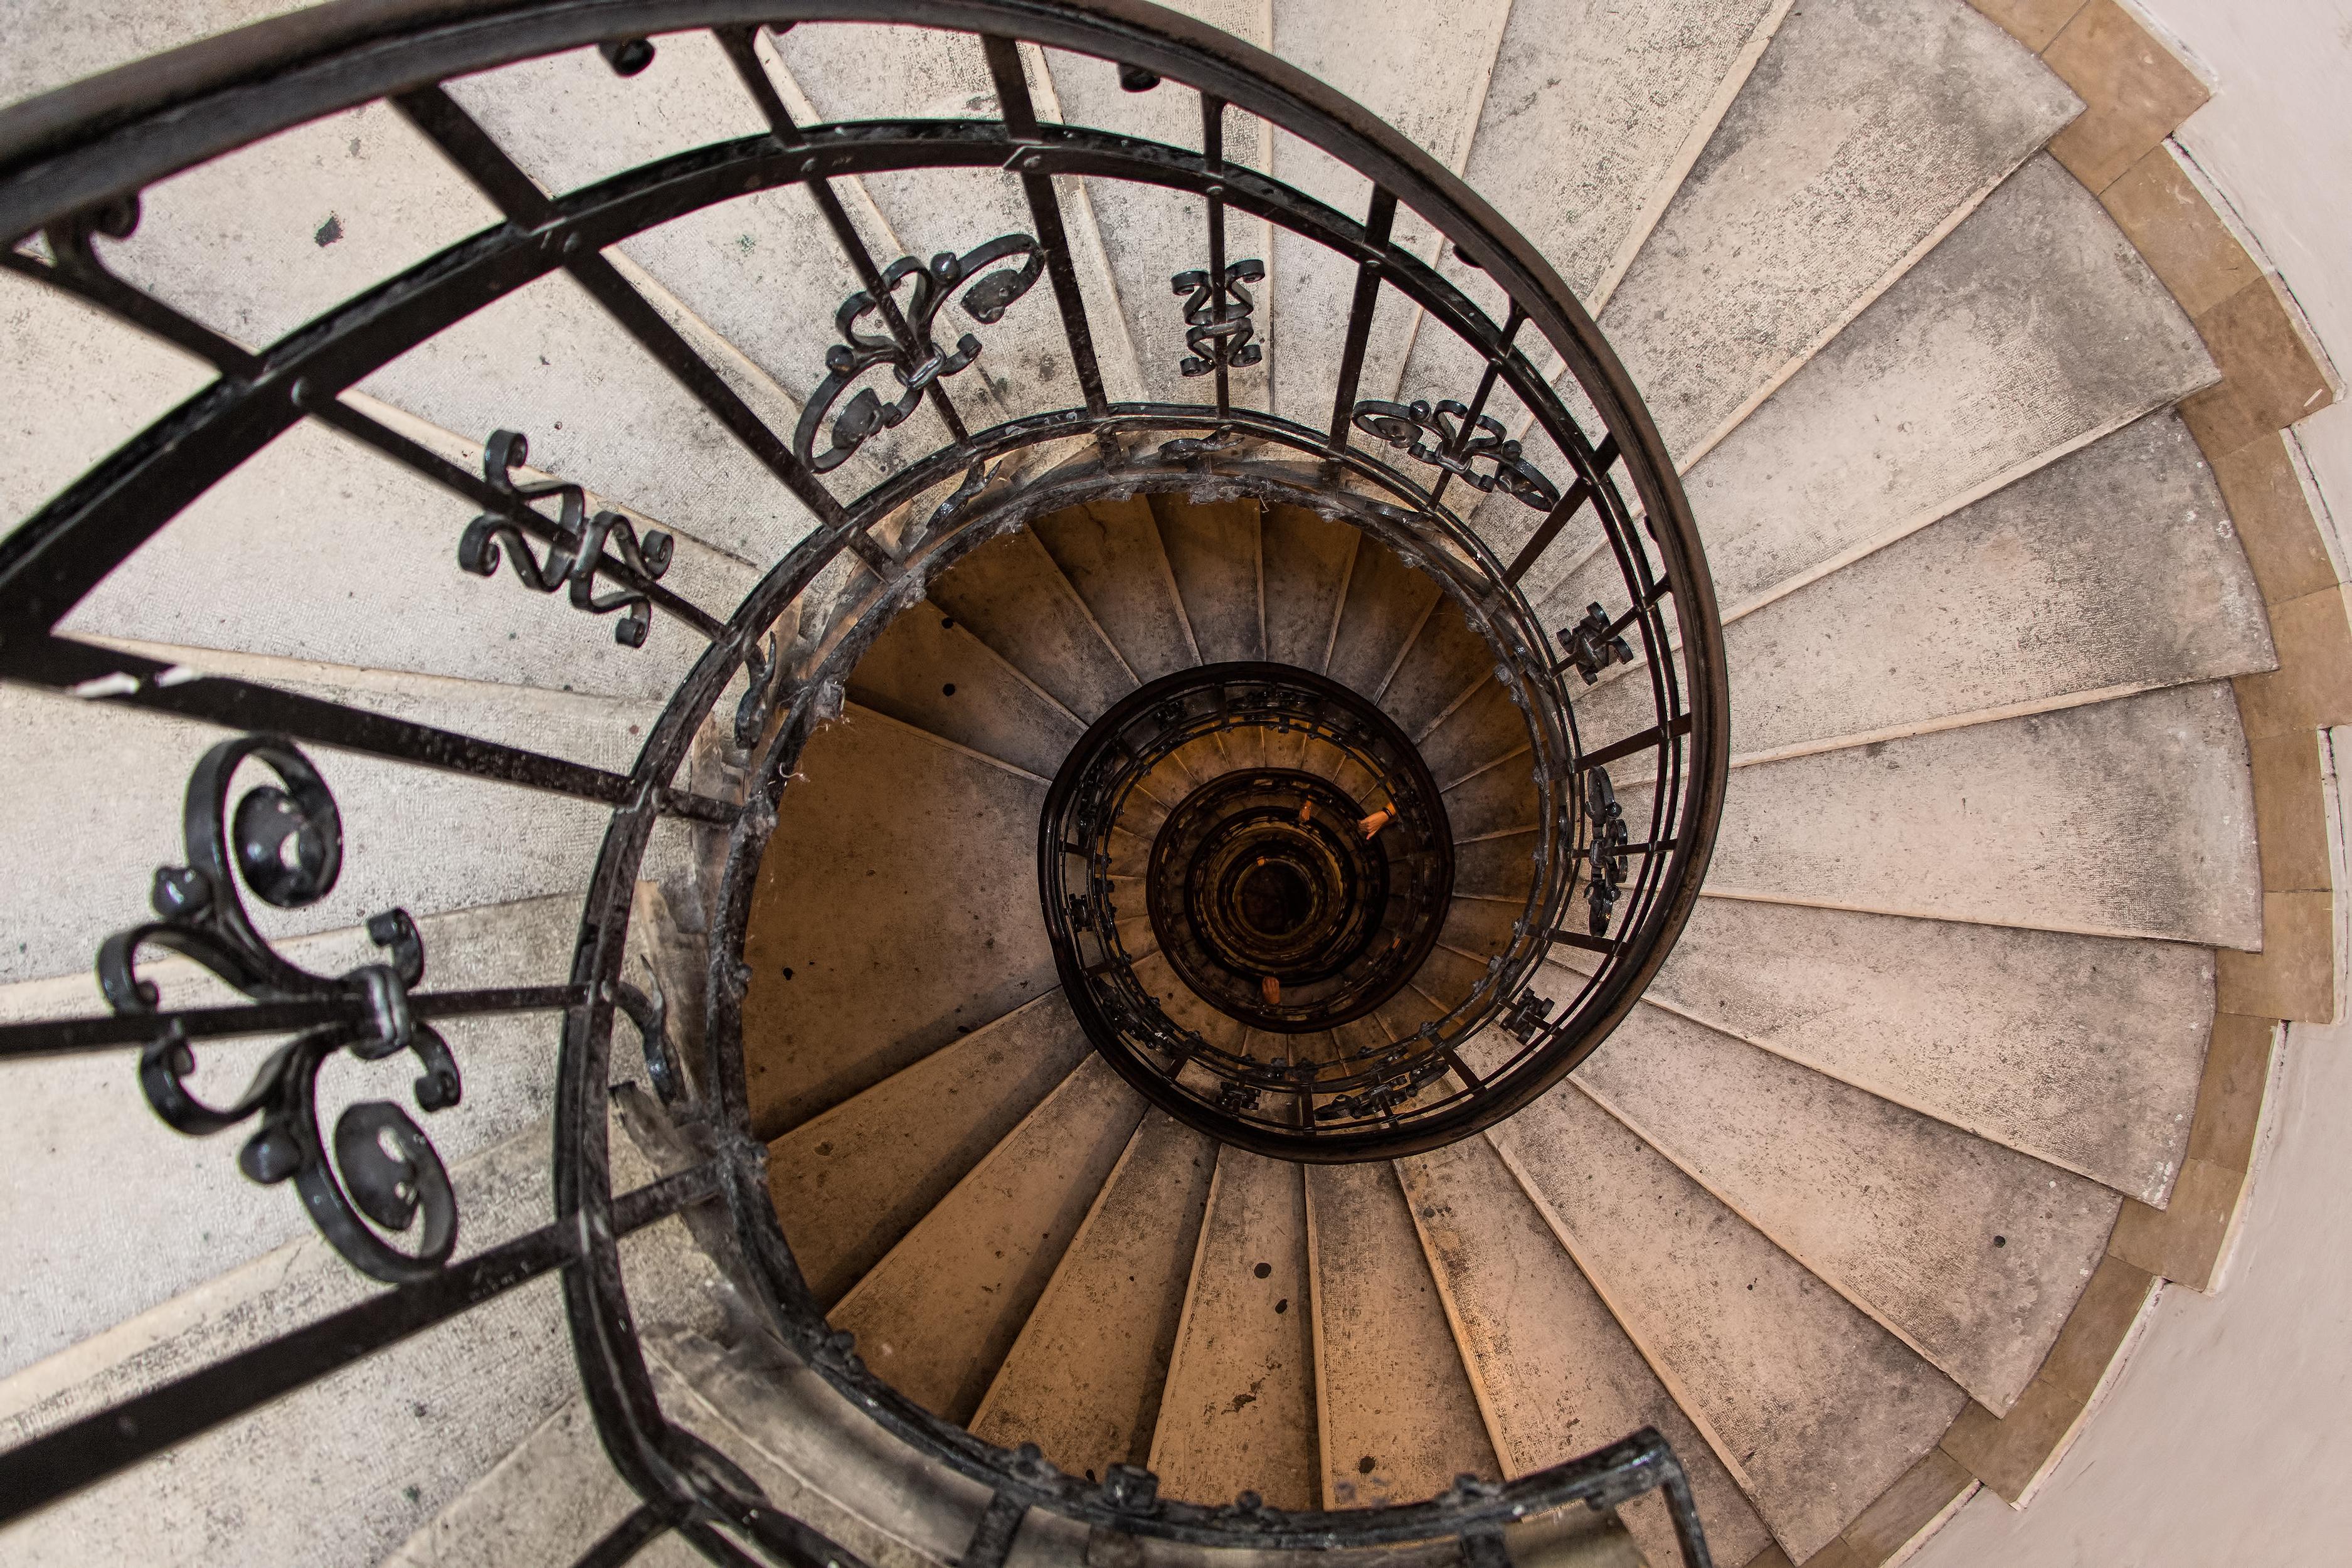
<point x="1526" y="1016"/>
<point x="1460" y="445"/>
<point x="1605" y="856"/>
<point x="580" y="547"/>
<point x="1592" y="644"/>
<point x="917" y="363"/>
<point x="285" y="842"/>
<point x="1219" y="330"/>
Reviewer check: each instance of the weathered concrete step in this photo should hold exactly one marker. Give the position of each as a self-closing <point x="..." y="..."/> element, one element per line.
<point x="2084" y="1051"/>
<point x="1555" y="1374"/>
<point x="1812" y="1407"/>
<point x="863" y="959"/>
<point x="1438" y="671"/>
<point x="1084" y="1380"/>
<point x="1396" y="1414"/>
<point x="936" y="1316"/>
<point x="1866" y="128"/>
<point x="1308" y="561"/>
<point x="1011" y="595"/>
<point x="1971" y="1252"/>
<point x="1214" y="551"/>
<point x="928" y="671"/>
<point x="1110" y="551"/>
<point x="2132" y="818"/>
<point x="1386" y="604"/>
<point x="2114" y="567"/>
<point x="1483" y="731"/>
<point x="1238" y="1413"/>
<point x="106" y="1155"/>
<point x="849" y="1183"/>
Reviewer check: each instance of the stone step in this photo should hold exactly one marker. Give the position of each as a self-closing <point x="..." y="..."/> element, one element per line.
<point x="1812" y="1407"/>
<point x="1555" y="1377"/>
<point x="1084" y="1380"/>
<point x="1866" y="132"/>
<point x="1396" y="1415"/>
<point x="2114" y="568"/>
<point x="1011" y="595"/>
<point x="928" y="671"/>
<point x="1308" y="561"/>
<point x="2132" y="818"/>
<point x="935" y="1317"/>
<point x="1972" y="1253"/>
<point x="1386" y="604"/>
<point x="2086" y="1053"/>
<point x="1238" y="1412"/>
<point x="849" y="1183"/>
<point x="1218" y="560"/>
<point x="1110" y="551"/>
<point x="863" y="959"/>
<point x="1439" y="671"/>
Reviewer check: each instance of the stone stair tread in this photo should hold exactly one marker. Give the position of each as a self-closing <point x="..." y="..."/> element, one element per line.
<point x="1011" y="595"/>
<point x="1238" y="1410"/>
<point x="1084" y="1380"/>
<point x="1387" y="603"/>
<point x="1445" y="661"/>
<point x="1483" y="730"/>
<point x="1308" y="560"/>
<point x="883" y="979"/>
<point x="850" y="1183"/>
<point x="935" y="1317"/>
<point x="1395" y="1412"/>
<point x="1111" y="553"/>
<point x="1864" y="127"/>
<point x="2131" y="818"/>
<point x="1555" y="1374"/>
<point x="1970" y="1251"/>
<point x="1815" y="1405"/>
<point x="926" y="671"/>
<point x="1213" y="549"/>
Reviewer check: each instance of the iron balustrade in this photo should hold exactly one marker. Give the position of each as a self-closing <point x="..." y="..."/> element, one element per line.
<point x="73" y="166"/>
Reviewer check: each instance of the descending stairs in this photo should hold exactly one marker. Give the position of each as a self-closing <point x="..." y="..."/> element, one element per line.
<point x="1846" y="1170"/>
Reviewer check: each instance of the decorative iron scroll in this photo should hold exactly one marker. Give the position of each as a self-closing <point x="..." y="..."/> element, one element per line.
<point x="1220" y="330"/>
<point x="1593" y="643"/>
<point x="917" y="361"/>
<point x="1605" y="858"/>
<point x="580" y="547"/>
<point x="1461" y="444"/>
<point x="285" y="841"/>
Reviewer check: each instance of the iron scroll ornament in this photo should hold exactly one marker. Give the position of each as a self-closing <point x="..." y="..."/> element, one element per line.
<point x="1218" y="329"/>
<point x="285" y="842"/>
<point x="1461" y="443"/>
<point x="579" y="549"/>
<point x="917" y="361"/>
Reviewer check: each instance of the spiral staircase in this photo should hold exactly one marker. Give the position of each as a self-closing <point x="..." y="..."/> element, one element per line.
<point x="1179" y="919"/>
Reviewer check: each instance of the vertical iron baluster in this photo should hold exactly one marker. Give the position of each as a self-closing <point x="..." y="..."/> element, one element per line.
<point x="1577" y="494"/>
<point x="1377" y="222"/>
<point x="1461" y="441"/>
<point x="1212" y="154"/>
<point x="1046" y="212"/>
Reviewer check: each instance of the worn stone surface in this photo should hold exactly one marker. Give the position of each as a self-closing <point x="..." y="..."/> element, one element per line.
<point x="1387" y="603"/>
<point x="2159" y="204"/>
<point x="2135" y="90"/>
<point x="1011" y="595"/>
<point x="1818" y="1406"/>
<point x="926" y="671"/>
<point x="1395" y="1410"/>
<point x="1239" y="1410"/>
<point x="1439" y="669"/>
<point x="1866" y="127"/>
<point x="1554" y="1372"/>
<point x="935" y="1316"/>
<point x="1308" y="561"/>
<point x="1110" y="551"/>
<point x="1974" y="1253"/>
<point x="1084" y="1380"/>
<point x="847" y="1185"/>
<point x="2133" y="817"/>
<point x="1213" y="549"/>
<point x="882" y="975"/>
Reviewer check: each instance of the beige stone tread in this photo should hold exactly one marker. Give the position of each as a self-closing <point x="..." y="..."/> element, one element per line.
<point x="1813" y="1406"/>
<point x="2083" y="1051"/>
<point x="1084" y="1379"/>
<point x="1485" y="730"/>
<point x="1422" y="70"/>
<point x="1451" y="972"/>
<point x="2032" y="328"/>
<point x="1398" y="1420"/>
<point x="1493" y="802"/>
<point x="926" y="671"/>
<point x="1864" y="129"/>
<point x="1504" y="866"/>
<point x="889" y="960"/>
<point x="1012" y="597"/>
<point x="1213" y="547"/>
<point x="1973" y="1253"/>
<point x="1110" y="551"/>
<point x="2132" y="818"/>
<point x="1238" y="1412"/>
<point x="1308" y="561"/>
<point x="936" y="1316"/>
<point x="1444" y="662"/>
<point x="2114" y="567"/>
<point x="1387" y="602"/>
<point x="847" y="1185"/>
<point x="1184" y="1007"/>
<point x="1555" y="1376"/>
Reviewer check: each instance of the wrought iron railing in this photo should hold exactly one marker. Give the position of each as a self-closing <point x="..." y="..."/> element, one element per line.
<point x="73" y="166"/>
